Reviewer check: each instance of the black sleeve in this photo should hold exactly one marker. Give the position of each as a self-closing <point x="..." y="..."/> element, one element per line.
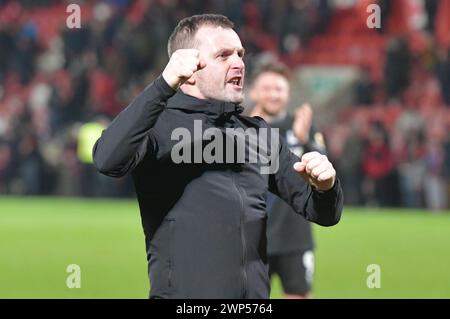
<point x="323" y="208"/>
<point x="125" y="142"/>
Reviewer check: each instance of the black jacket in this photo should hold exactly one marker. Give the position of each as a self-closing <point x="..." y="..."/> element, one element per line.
<point x="204" y="224"/>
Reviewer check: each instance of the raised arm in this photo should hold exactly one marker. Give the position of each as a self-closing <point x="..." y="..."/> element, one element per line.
<point x="127" y="139"/>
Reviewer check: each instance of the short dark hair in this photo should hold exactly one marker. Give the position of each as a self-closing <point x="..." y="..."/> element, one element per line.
<point x="272" y="67"/>
<point x="183" y="35"/>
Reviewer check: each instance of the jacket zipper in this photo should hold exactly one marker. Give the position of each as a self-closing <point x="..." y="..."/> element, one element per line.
<point x="171" y="247"/>
<point x="243" y="241"/>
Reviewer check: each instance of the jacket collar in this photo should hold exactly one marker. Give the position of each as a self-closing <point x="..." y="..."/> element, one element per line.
<point x="212" y="108"/>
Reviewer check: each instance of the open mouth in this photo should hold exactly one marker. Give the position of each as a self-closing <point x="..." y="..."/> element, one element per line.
<point x="236" y="81"/>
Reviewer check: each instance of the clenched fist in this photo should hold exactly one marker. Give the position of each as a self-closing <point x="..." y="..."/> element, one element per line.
<point x="317" y="170"/>
<point x="182" y="65"/>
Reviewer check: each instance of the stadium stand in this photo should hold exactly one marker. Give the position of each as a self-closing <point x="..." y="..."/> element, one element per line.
<point x="54" y="79"/>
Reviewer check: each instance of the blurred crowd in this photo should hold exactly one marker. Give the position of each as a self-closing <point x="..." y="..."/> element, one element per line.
<point x="59" y="87"/>
<point x="392" y="147"/>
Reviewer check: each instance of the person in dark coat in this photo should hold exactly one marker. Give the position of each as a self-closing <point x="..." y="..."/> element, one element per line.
<point x="290" y="243"/>
<point x="201" y="189"/>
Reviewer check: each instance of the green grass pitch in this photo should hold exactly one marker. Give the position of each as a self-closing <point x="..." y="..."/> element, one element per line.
<point x="40" y="237"/>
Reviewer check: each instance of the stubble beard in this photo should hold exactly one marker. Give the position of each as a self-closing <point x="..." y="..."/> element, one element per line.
<point x="234" y="97"/>
<point x="213" y="91"/>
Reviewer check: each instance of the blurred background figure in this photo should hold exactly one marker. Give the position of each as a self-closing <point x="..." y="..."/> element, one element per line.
<point x="351" y="170"/>
<point x="435" y="185"/>
<point x="380" y="183"/>
<point x="92" y="184"/>
<point x="289" y="236"/>
<point x="443" y="73"/>
<point x="397" y="67"/>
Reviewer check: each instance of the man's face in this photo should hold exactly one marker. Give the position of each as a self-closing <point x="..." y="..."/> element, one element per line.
<point x="270" y="92"/>
<point x="223" y="77"/>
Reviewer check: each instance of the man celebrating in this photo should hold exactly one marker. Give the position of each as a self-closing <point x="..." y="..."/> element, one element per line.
<point x="204" y="223"/>
<point x="289" y="236"/>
